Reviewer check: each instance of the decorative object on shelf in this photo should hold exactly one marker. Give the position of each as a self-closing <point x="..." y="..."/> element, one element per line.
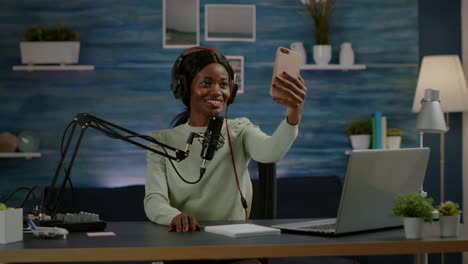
<point x="449" y="219"/>
<point x="28" y="141"/>
<point x="346" y="54"/>
<point x="299" y="48"/>
<point x="359" y="134"/>
<point x="394" y="138"/>
<point x="320" y="12"/>
<point x="415" y="209"/>
<point x="444" y="74"/>
<point x="333" y="67"/>
<point x="8" y="142"/>
<point x="47" y="45"/>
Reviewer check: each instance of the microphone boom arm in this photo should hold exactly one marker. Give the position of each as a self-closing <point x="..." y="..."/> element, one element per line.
<point x="85" y="120"/>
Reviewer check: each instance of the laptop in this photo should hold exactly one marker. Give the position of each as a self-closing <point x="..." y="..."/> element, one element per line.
<point x="373" y="179"/>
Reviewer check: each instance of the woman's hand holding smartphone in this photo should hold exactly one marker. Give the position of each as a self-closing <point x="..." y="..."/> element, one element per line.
<point x="287" y="87"/>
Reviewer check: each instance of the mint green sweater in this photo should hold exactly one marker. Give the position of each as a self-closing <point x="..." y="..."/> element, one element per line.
<point x="216" y="196"/>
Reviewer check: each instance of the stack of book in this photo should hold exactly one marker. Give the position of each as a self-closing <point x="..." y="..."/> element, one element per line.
<point x="379" y="130"/>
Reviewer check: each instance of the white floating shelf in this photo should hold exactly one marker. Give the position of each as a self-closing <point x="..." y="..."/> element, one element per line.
<point x="333" y="67"/>
<point x="26" y="155"/>
<point x="53" y="67"/>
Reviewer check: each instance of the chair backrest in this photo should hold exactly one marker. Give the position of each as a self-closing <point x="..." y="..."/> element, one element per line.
<point x="264" y="190"/>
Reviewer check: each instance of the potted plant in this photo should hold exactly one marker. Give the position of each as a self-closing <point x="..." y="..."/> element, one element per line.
<point x="449" y="219"/>
<point x="394" y="138"/>
<point x="360" y="134"/>
<point x="320" y="12"/>
<point x="415" y="209"/>
<point x="50" y="45"/>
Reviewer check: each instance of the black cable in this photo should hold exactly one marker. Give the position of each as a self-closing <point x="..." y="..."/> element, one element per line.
<point x="30" y="192"/>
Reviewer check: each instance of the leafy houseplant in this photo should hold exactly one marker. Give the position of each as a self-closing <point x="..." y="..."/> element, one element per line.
<point x="60" y="33"/>
<point x="449" y="208"/>
<point x="320" y="12"/>
<point x="394" y="132"/>
<point x="359" y="127"/>
<point x="360" y="134"/>
<point x="449" y="219"/>
<point x="414" y="208"/>
<point x="50" y="45"/>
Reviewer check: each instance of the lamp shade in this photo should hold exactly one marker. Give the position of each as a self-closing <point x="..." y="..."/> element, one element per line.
<point x="430" y="117"/>
<point x="443" y="73"/>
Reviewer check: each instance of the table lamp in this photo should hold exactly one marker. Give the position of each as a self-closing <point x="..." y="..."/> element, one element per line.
<point x="443" y="74"/>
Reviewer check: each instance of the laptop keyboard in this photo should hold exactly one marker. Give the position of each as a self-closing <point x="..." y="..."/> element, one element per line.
<point x="323" y="227"/>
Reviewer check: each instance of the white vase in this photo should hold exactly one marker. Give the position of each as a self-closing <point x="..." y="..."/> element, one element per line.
<point x="322" y="54"/>
<point x="393" y="142"/>
<point x="346" y="54"/>
<point x="360" y="141"/>
<point x="449" y="225"/>
<point x="49" y="52"/>
<point x="299" y="48"/>
<point x="413" y="227"/>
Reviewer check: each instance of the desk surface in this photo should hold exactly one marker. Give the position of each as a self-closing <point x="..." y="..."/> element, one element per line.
<point x="145" y="241"/>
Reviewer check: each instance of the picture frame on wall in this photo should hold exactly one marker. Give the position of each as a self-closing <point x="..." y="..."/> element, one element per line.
<point x="219" y="24"/>
<point x="237" y="64"/>
<point x="181" y="26"/>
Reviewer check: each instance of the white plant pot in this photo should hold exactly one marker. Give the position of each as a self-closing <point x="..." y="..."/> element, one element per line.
<point x="393" y="142"/>
<point x="322" y="54"/>
<point x="49" y="52"/>
<point x="360" y="141"/>
<point x="413" y="227"/>
<point x="449" y="225"/>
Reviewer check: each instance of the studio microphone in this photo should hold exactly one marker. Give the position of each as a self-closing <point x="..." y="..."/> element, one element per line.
<point x="212" y="141"/>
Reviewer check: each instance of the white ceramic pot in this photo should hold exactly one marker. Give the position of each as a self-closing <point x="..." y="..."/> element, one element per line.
<point x="413" y="227"/>
<point x="322" y="54"/>
<point x="449" y="225"/>
<point x="49" y="52"/>
<point x="346" y="54"/>
<point x="360" y="141"/>
<point x="393" y="142"/>
<point x="299" y="48"/>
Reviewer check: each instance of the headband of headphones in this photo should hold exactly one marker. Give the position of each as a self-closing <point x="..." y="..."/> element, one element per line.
<point x="179" y="83"/>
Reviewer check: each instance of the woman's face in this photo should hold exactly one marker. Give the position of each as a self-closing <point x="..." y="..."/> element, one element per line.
<point x="210" y="92"/>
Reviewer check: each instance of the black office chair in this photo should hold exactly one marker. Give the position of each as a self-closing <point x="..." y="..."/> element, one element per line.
<point x="263" y="177"/>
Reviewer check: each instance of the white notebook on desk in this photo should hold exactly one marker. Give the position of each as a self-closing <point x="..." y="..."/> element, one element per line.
<point x="242" y="230"/>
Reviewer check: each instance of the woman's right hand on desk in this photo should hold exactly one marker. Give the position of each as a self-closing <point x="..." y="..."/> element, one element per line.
<point x="184" y="222"/>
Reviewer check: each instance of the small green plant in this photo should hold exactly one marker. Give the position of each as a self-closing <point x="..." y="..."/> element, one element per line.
<point x="359" y="127"/>
<point x="59" y="33"/>
<point x="449" y="208"/>
<point x="391" y="132"/>
<point x="413" y="205"/>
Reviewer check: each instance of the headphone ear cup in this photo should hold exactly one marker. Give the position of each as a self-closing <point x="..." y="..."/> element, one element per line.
<point x="178" y="86"/>
<point x="234" y="89"/>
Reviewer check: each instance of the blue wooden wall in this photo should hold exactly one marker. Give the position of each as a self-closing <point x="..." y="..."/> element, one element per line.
<point x="130" y="85"/>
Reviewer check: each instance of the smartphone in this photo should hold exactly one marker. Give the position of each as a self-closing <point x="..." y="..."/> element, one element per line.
<point x="288" y="61"/>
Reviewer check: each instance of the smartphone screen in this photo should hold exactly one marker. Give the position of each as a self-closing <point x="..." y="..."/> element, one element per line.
<point x="288" y="61"/>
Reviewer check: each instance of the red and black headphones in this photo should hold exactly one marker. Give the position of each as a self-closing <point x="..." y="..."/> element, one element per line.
<point x="180" y="86"/>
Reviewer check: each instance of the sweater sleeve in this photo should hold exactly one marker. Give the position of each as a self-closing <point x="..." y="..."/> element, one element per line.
<point x="264" y="148"/>
<point x="156" y="203"/>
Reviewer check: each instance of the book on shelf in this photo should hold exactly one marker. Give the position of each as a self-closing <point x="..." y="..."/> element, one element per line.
<point x="379" y="130"/>
<point x="242" y="230"/>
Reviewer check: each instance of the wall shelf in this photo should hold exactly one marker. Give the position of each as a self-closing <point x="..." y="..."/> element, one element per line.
<point x="333" y="67"/>
<point x="53" y="67"/>
<point x="26" y="155"/>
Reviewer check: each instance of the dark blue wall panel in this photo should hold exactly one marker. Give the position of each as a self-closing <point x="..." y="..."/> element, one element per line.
<point x="130" y="85"/>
